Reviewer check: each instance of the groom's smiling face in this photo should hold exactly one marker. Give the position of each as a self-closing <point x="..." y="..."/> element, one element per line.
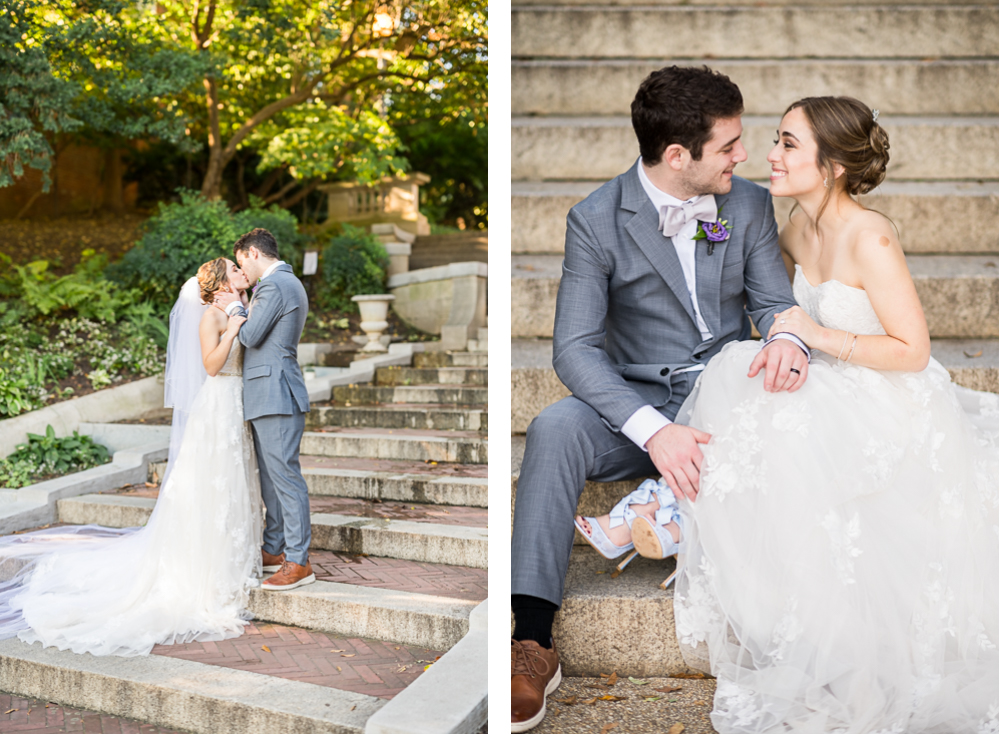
<point x="713" y="174"/>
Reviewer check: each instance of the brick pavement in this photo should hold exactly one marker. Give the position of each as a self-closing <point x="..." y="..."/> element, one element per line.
<point x="30" y="715"/>
<point x="372" y="667"/>
<point x="438" y="579"/>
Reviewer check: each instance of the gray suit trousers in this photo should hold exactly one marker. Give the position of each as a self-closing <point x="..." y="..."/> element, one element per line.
<point x="567" y="444"/>
<point x="287" y="528"/>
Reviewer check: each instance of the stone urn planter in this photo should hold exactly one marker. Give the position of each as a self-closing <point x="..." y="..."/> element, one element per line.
<point x="374" y="312"/>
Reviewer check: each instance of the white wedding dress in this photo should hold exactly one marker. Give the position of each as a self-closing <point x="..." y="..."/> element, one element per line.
<point x="185" y="576"/>
<point x="840" y="570"/>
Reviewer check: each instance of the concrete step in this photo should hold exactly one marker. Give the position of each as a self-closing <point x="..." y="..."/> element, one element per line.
<point x="181" y="694"/>
<point x="534" y="384"/>
<point x="958" y="294"/>
<point x="600" y="148"/>
<point x="924" y="212"/>
<point x="607" y="86"/>
<point x="462" y="447"/>
<point x="420" y="394"/>
<point x="441" y="417"/>
<point x="430" y="360"/>
<point x="815" y="31"/>
<point x="401" y="481"/>
<point x="427" y="542"/>
<point x="396" y="376"/>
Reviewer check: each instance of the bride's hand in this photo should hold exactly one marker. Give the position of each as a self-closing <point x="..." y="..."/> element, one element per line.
<point x="796" y="321"/>
<point x="233" y="327"/>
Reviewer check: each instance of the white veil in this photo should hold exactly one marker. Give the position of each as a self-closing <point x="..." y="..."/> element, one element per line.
<point x="185" y="373"/>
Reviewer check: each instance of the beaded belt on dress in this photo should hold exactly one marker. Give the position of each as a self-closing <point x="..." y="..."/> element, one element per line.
<point x="230" y="374"/>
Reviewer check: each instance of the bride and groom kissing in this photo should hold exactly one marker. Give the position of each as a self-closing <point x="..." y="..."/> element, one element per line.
<point x="187" y="574"/>
<point x="831" y="496"/>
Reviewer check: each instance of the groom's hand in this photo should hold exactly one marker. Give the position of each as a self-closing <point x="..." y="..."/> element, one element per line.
<point x="778" y="359"/>
<point x="224" y="298"/>
<point x="676" y="454"/>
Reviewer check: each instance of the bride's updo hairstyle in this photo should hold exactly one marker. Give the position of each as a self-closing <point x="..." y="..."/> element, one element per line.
<point x="846" y="134"/>
<point x="213" y="277"/>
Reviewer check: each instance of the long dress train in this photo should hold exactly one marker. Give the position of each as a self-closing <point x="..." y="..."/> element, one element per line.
<point x="186" y="575"/>
<point x="840" y="570"/>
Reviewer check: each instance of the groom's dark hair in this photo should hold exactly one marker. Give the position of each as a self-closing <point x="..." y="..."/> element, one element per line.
<point x="680" y="104"/>
<point x="261" y="239"/>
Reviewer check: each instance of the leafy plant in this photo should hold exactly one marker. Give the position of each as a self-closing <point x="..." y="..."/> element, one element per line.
<point x="46" y="455"/>
<point x="353" y="263"/>
<point x="84" y="291"/>
<point x="15" y="395"/>
<point x="182" y="236"/>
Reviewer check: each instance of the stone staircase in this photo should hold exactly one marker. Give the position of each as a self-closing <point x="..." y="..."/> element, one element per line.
<point x="390" y="638"/>
<point x="929" y="67"/>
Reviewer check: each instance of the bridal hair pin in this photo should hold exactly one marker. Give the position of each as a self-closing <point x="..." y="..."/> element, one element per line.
<point x="874" y="115"/>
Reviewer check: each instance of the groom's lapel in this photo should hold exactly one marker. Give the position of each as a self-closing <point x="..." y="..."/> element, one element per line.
<point x="659" y="250"/>
<point x="708" y="275"/>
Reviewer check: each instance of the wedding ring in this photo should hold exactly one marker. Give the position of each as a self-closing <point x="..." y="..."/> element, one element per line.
<point x="792" y="369"/>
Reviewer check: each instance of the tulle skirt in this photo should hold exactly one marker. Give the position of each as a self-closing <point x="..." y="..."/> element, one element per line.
<point x="185" y="576"/>
<point x="840" y="571"/>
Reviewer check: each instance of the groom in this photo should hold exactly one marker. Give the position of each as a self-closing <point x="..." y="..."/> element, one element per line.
<point x="277" y="412"/>
<point x="645" y="301"/>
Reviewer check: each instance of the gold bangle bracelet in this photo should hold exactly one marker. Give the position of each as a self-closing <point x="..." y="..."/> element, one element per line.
<point x="853" y="344"/>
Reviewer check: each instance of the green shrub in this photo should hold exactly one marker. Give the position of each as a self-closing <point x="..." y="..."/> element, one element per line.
<point x="181" y="236"/>
<point x="46" y="455"/>
<point x="17" y="395"/>
<point x="352" y="264"/>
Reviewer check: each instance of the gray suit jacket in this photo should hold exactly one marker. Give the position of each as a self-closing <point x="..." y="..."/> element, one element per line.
<point x="624" y="319"/>
<point x="272" y="380"/>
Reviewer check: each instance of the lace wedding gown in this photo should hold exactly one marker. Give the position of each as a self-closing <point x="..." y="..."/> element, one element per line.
<point x="185" y="576"/>
<point x="840" y="571"/>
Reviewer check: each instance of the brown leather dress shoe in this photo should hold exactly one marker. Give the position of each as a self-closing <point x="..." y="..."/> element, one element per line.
<point x="291" y="576"/>
<point x="534" y="673"/>
<point x="272" y="563"/>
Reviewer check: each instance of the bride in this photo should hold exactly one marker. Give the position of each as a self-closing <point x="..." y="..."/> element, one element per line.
<point x="838" y="570"/>
<point x="187" y="574"/>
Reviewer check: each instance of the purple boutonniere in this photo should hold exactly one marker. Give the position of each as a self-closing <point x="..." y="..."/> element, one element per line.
<point x="717" y="231"/>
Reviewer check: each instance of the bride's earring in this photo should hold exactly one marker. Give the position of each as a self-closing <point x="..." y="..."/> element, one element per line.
<point x="824" y="182"/>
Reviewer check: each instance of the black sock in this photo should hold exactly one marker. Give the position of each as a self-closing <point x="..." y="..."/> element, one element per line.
<point x="533" y="618"/>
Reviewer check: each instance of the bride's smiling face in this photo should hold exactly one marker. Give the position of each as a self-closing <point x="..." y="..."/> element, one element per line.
<point x="237" y="278"/>
<point x="793" y="158"/>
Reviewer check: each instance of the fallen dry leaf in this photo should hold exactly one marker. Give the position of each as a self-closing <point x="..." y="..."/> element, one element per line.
<point x="555" y="711"/>
<point x="608" y="727"/>
<point x="609" y="697"/>
<point x="346" y="650"/>
<point x="652" y="699"/>
<point x="973" y="356"/>
<point x="10" y="711"/>
<point x="612" y="679"/>
<point x="638" y="682"/>
<point x="354" y="707"/>
<point x="597" y="685"/>
<point x="566" y="701"/>
<point x="598" y="573"/>
<point x="676" y="729"/>
<point x="699" y="703"/>
<point x="668" y="689"/>
<point x="265" y="648"/>
<point x="349" y="656"/>
<point x="338" y="668"/>
<point x="688" y="676"/>
<point x="589" y="701"/>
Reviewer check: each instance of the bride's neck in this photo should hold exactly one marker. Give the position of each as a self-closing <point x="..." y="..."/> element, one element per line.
<point x="829" y="218"/>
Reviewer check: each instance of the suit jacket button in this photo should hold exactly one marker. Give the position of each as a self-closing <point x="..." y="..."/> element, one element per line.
<point x="664" y="371"/>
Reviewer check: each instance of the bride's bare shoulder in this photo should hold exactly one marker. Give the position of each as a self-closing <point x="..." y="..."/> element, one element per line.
<point x="213" y="319"/>
<point x="873" y="235"/>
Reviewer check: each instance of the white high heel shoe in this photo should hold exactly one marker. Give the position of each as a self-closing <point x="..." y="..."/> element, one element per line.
<point x="652" y="539"/>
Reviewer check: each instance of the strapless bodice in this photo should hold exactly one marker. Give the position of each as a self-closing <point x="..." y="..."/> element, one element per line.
<point x="835" y="305"/>
<point x="234" y="362"/>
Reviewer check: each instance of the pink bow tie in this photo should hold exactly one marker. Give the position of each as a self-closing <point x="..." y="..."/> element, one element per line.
<point x="673" y="218"/>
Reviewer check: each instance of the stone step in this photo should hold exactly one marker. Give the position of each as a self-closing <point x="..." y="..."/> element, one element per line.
<point x="461" y="447"/>
<point x="181" y="694"/>
<point x="534" y="383"/>
<point x="600" y="148"/>
<point x="394" y="415"/>
<point x="430" y="360"/>
<point x="958" y="294"/>
<point x="401" y="481"/>
<point x="403" y="376"/>
<point x="428" y="542"/>
<point x="420" y="394"/>
<point x="817" y="31"/>
<point x="925" y="214"/>
<point x="607" y="86"/>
